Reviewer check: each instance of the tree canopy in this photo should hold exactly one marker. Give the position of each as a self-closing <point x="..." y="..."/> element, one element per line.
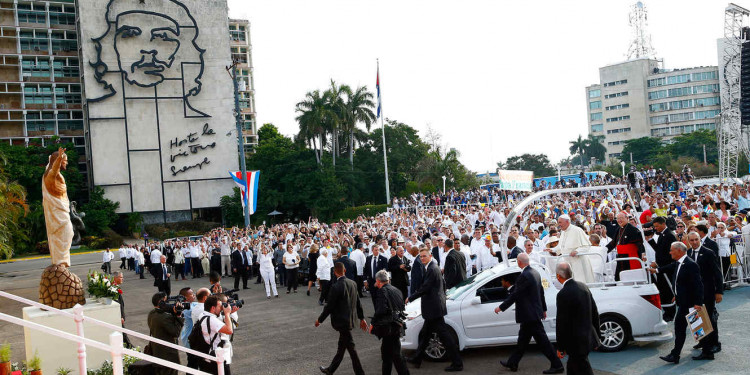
<point x="539" y="163"/>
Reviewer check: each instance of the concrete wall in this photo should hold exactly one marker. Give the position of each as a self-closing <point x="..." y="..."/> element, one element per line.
<point x="162" y="138"/>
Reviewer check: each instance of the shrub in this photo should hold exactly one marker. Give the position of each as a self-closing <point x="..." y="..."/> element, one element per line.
<point x="5" y="353"/>
<point x="180" y="229"/>
<point x="42" y="247"/>
<point x="353" y="212"/>
<point x="111" y="239"/>
<point x="35" y="363"/>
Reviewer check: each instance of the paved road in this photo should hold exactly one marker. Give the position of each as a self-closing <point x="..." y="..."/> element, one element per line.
<point x="277" y="336"/>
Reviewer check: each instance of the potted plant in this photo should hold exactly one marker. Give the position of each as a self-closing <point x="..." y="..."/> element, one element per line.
<point x="34" y="365"/>
<point x="64" y="371"/>
<point x="5" y="359"/>
<point x="102" y="287"/>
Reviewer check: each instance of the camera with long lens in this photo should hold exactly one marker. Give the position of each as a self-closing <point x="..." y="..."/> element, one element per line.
<point x="233" y="299"/>
<point x="174" y="304"/>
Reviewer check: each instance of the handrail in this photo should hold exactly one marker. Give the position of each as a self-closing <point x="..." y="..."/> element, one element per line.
<point x="219" y="358"/>
<point x="110" y="326"/>
<point x="99" y="345"/>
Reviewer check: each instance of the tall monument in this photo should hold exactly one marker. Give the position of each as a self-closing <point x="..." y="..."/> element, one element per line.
<point x="59" y="287"/>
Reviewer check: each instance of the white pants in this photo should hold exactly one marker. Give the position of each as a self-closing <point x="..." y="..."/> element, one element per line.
<point x="269" y="278"/>
<point x="226" y="265"/>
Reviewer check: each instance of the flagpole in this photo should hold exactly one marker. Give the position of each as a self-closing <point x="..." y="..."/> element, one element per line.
<point x="385" y="155"/>
<point x="240" y="141"/>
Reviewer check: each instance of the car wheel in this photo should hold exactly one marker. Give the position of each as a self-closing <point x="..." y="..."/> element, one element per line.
<point x="435" y="349"/>
<point x="613" y="333"/>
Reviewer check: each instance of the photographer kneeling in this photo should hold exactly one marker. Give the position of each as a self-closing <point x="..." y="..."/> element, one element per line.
<point x="164" y="323"/>
<point x="387" y="323"/>
<point x="210" y="327"/>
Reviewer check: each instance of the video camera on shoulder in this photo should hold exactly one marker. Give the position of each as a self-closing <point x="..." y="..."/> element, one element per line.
<point x="232" y="298"/>
<point x="174" y="304"/>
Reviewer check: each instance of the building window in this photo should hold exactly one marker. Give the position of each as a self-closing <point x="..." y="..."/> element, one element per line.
<point x="714" y="100"/>
<point x="32" y="42"/>
<point x="656" y="120"/>
<point x="596" y="128"/>
<point x="705" y="76"/>
<point x="700" y="115"/>
<point x="708" y="126"/>
<point x="615" y="143"/>
<point x="616" y="95"/>
<point x="595" y="116"/>
<point x="615" y="155"/>
<point x="618" y="106"/>
<point x="595" y="93"/>
<point x="657" y="82"/>
<point x="620" y="130"/>
<point x="661" y="132"/>
<point x="37" y="95"/>
<point x="619" y="118"/>
<point x="595" y="105"/>
<point x="34" y="68"/>
<point x="682" y="78"/>
<point x="660" y="94"/>
<point x="677" y="117"/>
<point x="704" y="89"/>
<point x="29" y="14"/>
<point x="616" y="83"/>
<point x="237" y="36"/>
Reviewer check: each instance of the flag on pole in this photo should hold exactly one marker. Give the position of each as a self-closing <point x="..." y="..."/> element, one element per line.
<point x="377" y="87"/>
<point x="248" y="199"/>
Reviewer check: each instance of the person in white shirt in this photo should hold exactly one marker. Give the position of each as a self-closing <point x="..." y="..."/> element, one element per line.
<point x="723" y="238"/>
<point x="265" y="261"/>
<point x="107" y="257"/>
<point x="358" y="256"/>
<point x="291" y="264"/>
<point x="141" y="260"/>
<point x="154" y="258"/>
<point x="226" y="265"/>
<point x="466" y="251"/>
<point x="211" y="326"/>
<point x="131" y="259"/>
<point x="486" y="256"/>
<point x="323" y="275"/>
<point x="123" y="254"/>
<point x="179" y="263"/>
<point x="534" y="256"/>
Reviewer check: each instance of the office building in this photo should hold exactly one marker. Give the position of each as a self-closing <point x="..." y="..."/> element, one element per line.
<point x="639" y="98"/>
<point x="239" y="33"/>
<point x="40" y="84"/>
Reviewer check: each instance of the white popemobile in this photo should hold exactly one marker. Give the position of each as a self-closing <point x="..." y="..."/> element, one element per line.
<point x="629" y="309"/>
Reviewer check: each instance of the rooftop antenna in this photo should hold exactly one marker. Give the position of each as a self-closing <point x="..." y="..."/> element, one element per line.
<point x="641" y="44"/>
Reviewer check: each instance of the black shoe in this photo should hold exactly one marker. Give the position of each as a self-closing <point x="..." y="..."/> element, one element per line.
<point x="268" y="297"/>
<point x="320" y="303"/>
<point x="698" y="345"/>
<point x="671" y="358"/>
<point x="454" y="368"/>
<point x="308" y="293"/>
<point x="415" y="360"/>
<point x="257" y="282"/>
<point x="551" y="370"/>
<point x="277" y="296"/>
<point x="704" y="355"/>
<point x="715" y="349"/>
<point x="507" y="365"/>
<point x="244" y="287"/>
<point x="325" y="370"/>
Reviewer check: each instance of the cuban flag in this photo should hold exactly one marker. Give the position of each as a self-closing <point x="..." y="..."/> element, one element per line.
<point x="377" y="87"/>
<point x="249" y="184"/>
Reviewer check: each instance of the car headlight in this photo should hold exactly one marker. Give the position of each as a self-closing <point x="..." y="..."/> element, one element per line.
<point x="413" y="315"/>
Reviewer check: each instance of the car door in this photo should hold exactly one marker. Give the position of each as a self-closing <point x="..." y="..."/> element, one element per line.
<point x="550" y="298"/>
<point x="478" y="314"/>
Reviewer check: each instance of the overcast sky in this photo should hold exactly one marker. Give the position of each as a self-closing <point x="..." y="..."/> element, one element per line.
<point x="495" y="78"/>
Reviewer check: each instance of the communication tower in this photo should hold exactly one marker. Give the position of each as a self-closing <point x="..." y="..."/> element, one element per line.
<point x="641" y="44"/>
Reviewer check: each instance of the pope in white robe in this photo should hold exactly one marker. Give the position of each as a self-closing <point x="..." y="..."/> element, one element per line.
<point x="574" y="241"/>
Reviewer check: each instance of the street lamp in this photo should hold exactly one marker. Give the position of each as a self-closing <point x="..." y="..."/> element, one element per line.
<point x="559" y="173"/>
<point x="443" y="184"/>
<point x="622" y="163"/>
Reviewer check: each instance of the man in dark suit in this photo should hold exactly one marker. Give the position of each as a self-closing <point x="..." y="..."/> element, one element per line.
<point x="528" y="296"/>
<point x="513" y="250"/>
<point x="386" y="327"/>
<point x="713" y="292"/>
<point x="416" y="276"/>
<point x="349" y="265"/>
<point x="439" y="243"/>
<point x="454" y="271"/>
<point x="661" y="249"/>
<point x="399" y="268"/>
<point x="707" y="241"/>
<point x="688" y="290"/>
<point x="432" y="294"/>
<point x="345" y="310"/>
<point x="577" y="321"/>
<point x="162" y="275"/>
<point x="373" y="264"/>
<point x="240" y="267"/>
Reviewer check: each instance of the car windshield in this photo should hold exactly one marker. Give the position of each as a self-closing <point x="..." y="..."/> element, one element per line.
<point x="461" y="288"/>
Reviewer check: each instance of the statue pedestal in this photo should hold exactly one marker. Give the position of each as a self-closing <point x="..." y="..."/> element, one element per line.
<point x="56" y="352"/>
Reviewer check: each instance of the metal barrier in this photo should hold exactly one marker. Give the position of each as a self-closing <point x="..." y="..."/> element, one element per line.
<point x="115" y="346"/>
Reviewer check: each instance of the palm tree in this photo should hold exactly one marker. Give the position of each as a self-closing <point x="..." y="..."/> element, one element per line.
<point x="314" y="113"/>
<point x="337" y="107"/>
<point x="359" y="105"/>
<point x="578" y="147"/>
<point x="12" y="207"/>
<point x="594" y="147"/>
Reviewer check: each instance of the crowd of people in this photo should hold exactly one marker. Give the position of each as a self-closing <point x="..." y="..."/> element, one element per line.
<point x="431" y="242"/>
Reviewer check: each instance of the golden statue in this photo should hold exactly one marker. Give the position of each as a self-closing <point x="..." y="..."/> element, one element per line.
<point x="57" y="209"/>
